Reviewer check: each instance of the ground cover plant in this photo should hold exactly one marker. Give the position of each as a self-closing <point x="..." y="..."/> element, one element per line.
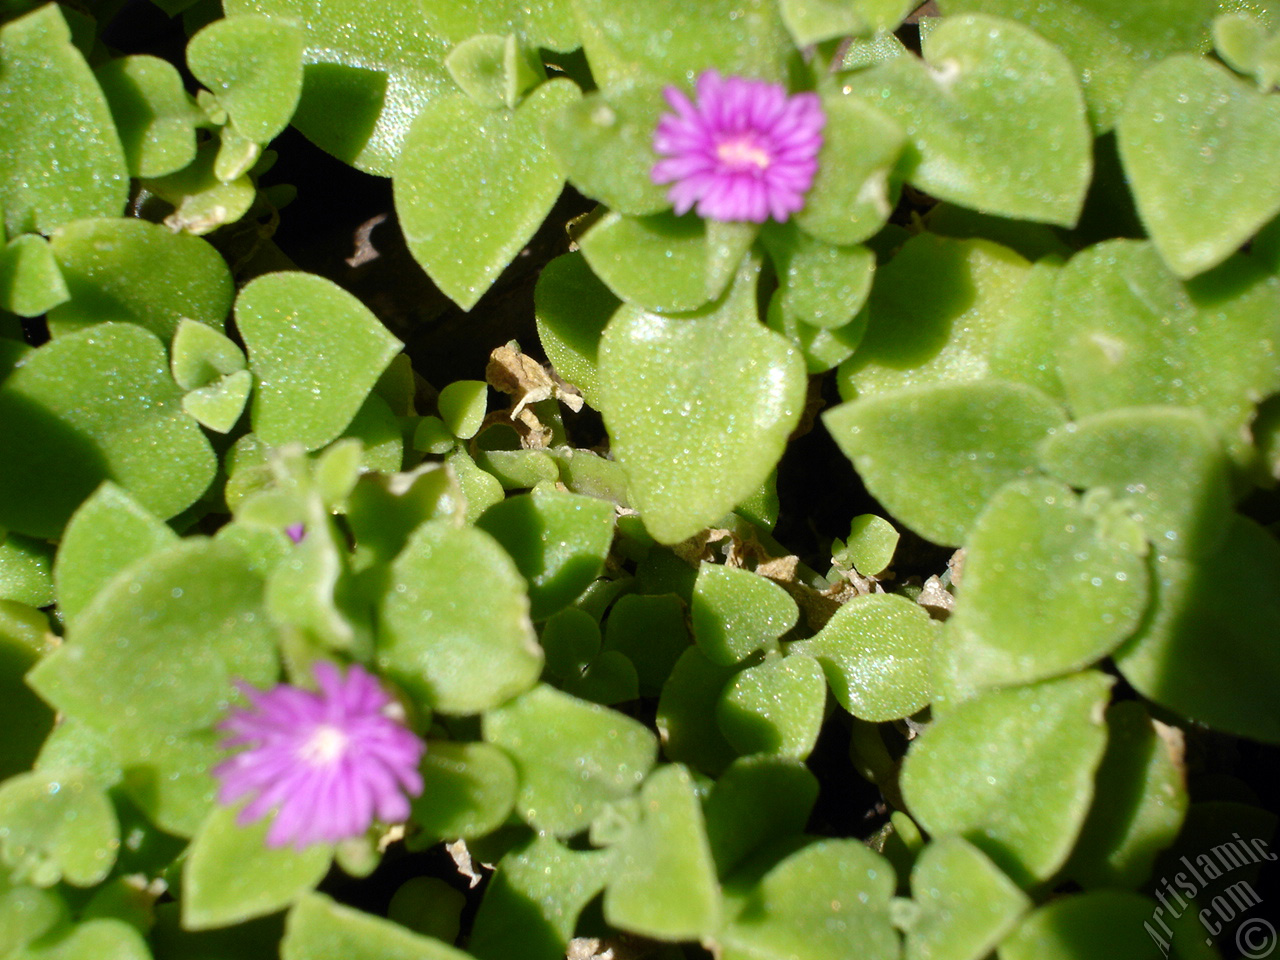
<point x="758" y="479"/>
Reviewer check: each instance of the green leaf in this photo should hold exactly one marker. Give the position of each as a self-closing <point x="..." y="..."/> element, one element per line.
<point x="870" y="546"/>
<point x="966" y="905"/>
<point x="469" y="789"/>
<point x="604" y="142"/>
<point x="316" y="353"/>
<point x="154" y="115"/>
<point x="822" y="348"/>
<point x="201" y="355"/>
<point x="943" y="331"/>
<point x="201" y="199"/>
<point x="253" y="65"/>
<point x="1012" y="771"/>
<point x="934" y="454"/>
<point x="735" y="612"/>
<point x="28" y="719"/>
<point x="821" y="284"/>
<point x="852" y="195"/>
<point x="1139" y="805"/>
<point x="25" y="570"/>
<point x="59" y="825"/>
<point x="67" y="422"/>
<point x="318" y="928"/>
<point x="664" y="262"/>
<point x="454" y="655"/>
<point x="542" y="23"/>
<point x="687" y="716"/>
<point x="230" y="875"/>
<point x="736" y="38"/>
<point x="30" y="282"/>
<point x="572" y="307"/>
<point x="1176" y="656"/>
<point x="462" y="407"/>
<point x="106" y="938"/>
<point x="811" y="21"/>
<point x="651" y="632"/>
<point x="1110" y="42"/>
<point x="190" y="618"/>
<point x="138" y="272"/>
<point x="1035" y="555"/>
<point x="815" y="903"/>
<point x="383" y="510"/>
<point x="1132" y="334"/>
<point x="494" y="71"/>
<point x="48" y="174"/>
<point x="1101" y="924"/>
<point x="1166" y="464"/>
<point x="559" y="542"/>
<point x="477" y="180"/>
<point x="361" y="88"/>
<point x="966" y="113"/>
<point x="1189" y="137"/>
<point x="572" y="757"/>
<point x="698" y="408"/>
<point x="109" y="532"/>
<point x="774" y="707"/>
<point x="876" y="652"/>
<point x="531" y="906"/>
<point x="664" y="884"/>
<point x="757" y="800"/>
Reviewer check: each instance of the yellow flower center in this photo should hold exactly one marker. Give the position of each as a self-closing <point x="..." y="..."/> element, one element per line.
<point x="741" y="153"/>
<point x="324" y="746"/>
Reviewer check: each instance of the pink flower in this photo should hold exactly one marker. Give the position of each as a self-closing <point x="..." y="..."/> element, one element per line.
<point x="745" y="151"/>
<point x="328" y="762"/>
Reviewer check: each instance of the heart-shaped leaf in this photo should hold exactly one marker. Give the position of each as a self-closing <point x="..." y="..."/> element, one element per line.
<point x="571" y="757"/>
<point x="1110" y="42"/>
<point x="154" y="115"/>
<point x="1100" y="923"/>
<point x="1140" y="803"/>
<point x="735" y="38"/>
<point x="67" y="422"/>
<point x="665" y="884"/>
<point x="30" y="281"/>
<point x="605" y="144"/>
<point x="698" y="408"/>
<point x="450" y="654"/>
<point x="774" y="707"/>
<point x="316" y="353"/>
<point x="253" y="65"/>
<point x="59" y="825"/>
<point x="319" y="928"/>
<point x="876" y="652"/>
<point x="230" y="874"/>
<point x="1189" y="136"/>
<point x="1012" y="771"/>
<point x="1132" y="334"/>
<point x="1036" y="556"/>
<point x="995" y="118"/>
<point x="941" y="331"/>
<point x="48" y="174"/>
<point x="664" y="262"/>
<point x="933" y="455"/>
<point x="966" y="904"/>
<point x="477" y="180"/>
<point x="138" y="272"/>
<point x="361" y="88"/>
<point x="572" y="306"/>
<point x="109" y="532"/>
<point x="468" y="791"/>
<point x="735" y="612"/>
<point x="1176" y="657"/>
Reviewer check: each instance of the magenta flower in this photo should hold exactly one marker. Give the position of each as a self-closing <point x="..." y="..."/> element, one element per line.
<point x="745" y="151"/>
<point x="328" y="762"/>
